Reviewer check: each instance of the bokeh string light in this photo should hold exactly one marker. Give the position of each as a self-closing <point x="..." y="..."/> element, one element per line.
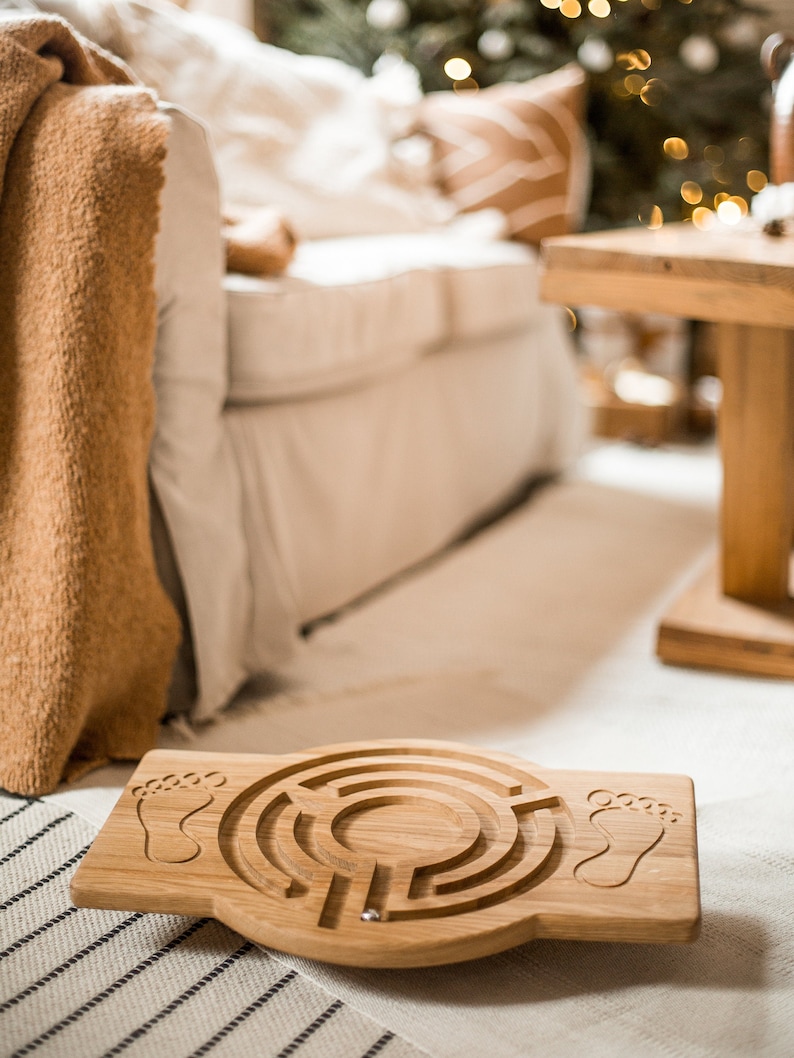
<point x="633" y="80"/>
<point x="700" y="53"/>
<point x="671" y="83"/>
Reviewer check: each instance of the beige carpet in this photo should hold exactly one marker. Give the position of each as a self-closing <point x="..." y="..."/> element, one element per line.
<point x="537" y="637"/>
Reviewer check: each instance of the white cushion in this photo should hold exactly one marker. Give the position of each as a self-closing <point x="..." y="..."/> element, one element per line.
<point x="351" y="310"/>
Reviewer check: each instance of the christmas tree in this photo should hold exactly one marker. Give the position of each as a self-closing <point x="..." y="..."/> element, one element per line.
<point x="677" y="102"/>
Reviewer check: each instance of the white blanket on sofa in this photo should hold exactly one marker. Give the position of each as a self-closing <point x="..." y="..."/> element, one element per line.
<point x="309" y="134"/>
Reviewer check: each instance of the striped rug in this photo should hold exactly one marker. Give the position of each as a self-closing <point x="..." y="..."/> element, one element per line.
<point x="84" y="983"/>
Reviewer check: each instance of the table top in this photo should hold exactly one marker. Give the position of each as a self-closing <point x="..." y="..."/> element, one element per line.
<point x="724" y="275"/>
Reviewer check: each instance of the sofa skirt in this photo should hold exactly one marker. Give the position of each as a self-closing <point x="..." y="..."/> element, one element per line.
<point x="345" y="491"/>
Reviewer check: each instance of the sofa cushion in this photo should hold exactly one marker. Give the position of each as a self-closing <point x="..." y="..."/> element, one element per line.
<point x="351" y="310"/>
<point x="520" y="148"/>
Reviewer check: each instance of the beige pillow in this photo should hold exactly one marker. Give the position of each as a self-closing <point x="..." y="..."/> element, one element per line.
<point x="517" y="147"/>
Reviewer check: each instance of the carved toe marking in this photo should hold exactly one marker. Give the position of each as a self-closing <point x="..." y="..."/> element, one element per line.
<point x="631" y="826"/>
<point x="165" y="805"/>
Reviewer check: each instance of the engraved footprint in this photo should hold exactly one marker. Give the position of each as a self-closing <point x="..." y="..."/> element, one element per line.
<point x="165" y="805"/>
<point x="631" y="826"/>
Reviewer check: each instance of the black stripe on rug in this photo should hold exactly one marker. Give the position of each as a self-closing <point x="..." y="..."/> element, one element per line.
<point x="46" y="879"/>
<point x="106" y="993"/>
<point x="174" y="1005"/>
<point x="244" y="1015"/>
<point x="310" y="1030"/>
<point x="39" y="930"/>
<point x="22" y="808"/>
<point x="379" y="1045"/>
<point x="59" y="1019"/>
<point x="26" y="844"/>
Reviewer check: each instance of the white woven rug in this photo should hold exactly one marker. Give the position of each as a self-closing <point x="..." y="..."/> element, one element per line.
<point x="537" y="638"/>
<point x="78" y="982"/>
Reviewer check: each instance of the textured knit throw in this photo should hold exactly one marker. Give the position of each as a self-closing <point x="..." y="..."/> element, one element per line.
<point x="87" y="634"/>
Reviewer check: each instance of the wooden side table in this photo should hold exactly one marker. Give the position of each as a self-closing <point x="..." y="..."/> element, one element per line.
<point x="740" y="616"/>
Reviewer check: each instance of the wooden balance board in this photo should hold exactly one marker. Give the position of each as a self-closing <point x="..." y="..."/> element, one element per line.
<point x="400" y="853"/>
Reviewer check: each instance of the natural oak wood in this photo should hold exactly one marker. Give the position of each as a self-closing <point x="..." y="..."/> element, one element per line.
<point x="723" y="276"/>
<point x="709" y="629"/>
<point x="609" y="416"/>
<point x="744" y="282"/>
<point x="400" y="853"/>
<point x="756" y="425"/>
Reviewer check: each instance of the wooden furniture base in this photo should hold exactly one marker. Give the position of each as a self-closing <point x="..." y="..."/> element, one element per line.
<point x="400" y="853"/>
<point x="708" y="629"/>
<point x="609" y="416"/>
<point x="742" y="281"/>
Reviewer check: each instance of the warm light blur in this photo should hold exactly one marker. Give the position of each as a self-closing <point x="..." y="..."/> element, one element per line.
<point x="714" y="155"/>
<point x="600" y="8"/>
<point x="756" y="180"/>
<point x="570" y="8"/>
<point x="467" y="86"/>
<point x="636" y="386"/>
<point x="457" y="69"/>
<point x="732" y="210"/>
<point x="634" y="83"/>
<point x="676" y="148"/>
<point x="552" y="5"/>
<point x="639" y="59"/>
<point x="652" y="92"/>
<point x="729" y="212"/>
<point x="691" y="192"/>
<point x="652" y="217"/>
<point x="703" y="218"/>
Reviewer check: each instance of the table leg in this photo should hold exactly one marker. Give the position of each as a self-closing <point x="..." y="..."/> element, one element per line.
<point x="738" y="615"/>
<point x="757" y="444"/>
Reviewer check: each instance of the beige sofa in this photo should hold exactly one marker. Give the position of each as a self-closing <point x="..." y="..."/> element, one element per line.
<point x="320" y="431"/>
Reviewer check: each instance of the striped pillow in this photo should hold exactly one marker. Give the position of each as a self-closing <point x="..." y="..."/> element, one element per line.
<point x="520" y="148"/>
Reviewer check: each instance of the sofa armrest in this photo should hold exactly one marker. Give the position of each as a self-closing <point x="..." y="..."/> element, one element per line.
<point x="193" y="471"/>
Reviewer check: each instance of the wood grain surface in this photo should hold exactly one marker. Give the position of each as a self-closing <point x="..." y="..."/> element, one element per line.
<point x="742" y="280"/>
<point x="707" y="629"/>
<point x="400" y="853"/>
<point x="677" y="270"/>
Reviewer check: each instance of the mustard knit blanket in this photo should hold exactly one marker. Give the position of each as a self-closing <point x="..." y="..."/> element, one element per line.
<point x="87" y="634"/>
